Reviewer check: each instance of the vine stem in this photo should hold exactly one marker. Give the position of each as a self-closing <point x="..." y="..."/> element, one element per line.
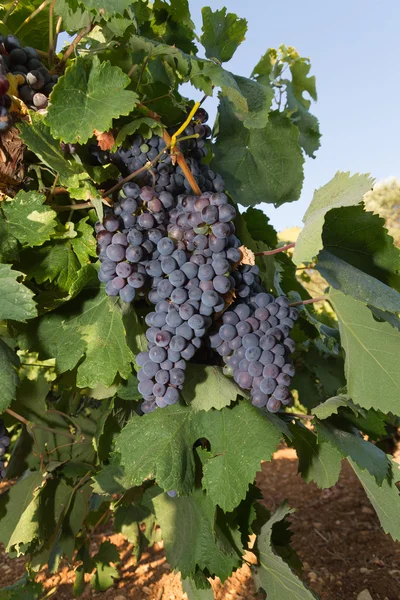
<point x="310" y="301"/>
<point x="297" y="415"/>
<point x="51" y="34"/>
<point x="74" y="44"/>
<point x="29" y="424"/>
<point x="10" y="10"/>
<point x="32" y="15"/>
<point x="81" y="206"/>
<point x="276" y="251"/>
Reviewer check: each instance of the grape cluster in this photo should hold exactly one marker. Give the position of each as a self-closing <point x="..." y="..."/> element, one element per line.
<point x="189" y="280"/>
<point x="4" y="444"/>
<point x="254" y="340"/>
<point x="180" y="252"/>
<point x="35" y="83"/>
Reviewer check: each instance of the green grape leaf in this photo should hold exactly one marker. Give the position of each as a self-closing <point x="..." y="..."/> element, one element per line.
<point x="319" y="461"/>
<point x="55" y="262"/>
<point x="89" y="335"/>
<point x="366" y="455"/>
<point x="110" y="7"/>
<point x="372" y="351"/>
<point x="360" y="259"/>
<point x="342" y="190"/>
<point x="37" y="136"/>
<point x="16" y="300"/>
<point x="249" y="101"/>
<point x="84" y="244"/>
<point x="259" y="99"/>
<point x="21" y="504"/>
<point x="206" y="387"/>
<point x="105" y="573"/>
<point x="299" y="105"/>
<point x="73" y="16"/>
<point x="331" y="406"/>
<point x="82" y="100"/>
<point x="307" y="123"/>
<point x="9" y="363"/>
<point x="259" y="227"/>
<point x="191" y="536"/>
<point x="8" y="243"/>
<point x="259" y="165"/>
<point x="30" y="220"/>
<point x="194" y="593"/>
<point x="222" y="33"/>
<point x="385" y="498"/>
<point x="128" y="390"/>
<point x="229" y="467"/>
<point x="272" y="574"/>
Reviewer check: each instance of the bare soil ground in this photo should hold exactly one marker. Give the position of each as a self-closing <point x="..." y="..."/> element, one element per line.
<point x="336" y="534"/>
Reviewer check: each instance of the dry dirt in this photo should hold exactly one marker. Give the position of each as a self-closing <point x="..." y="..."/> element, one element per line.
<point x="336" y="534"/>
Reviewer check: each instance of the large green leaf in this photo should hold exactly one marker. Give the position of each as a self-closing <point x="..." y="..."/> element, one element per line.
<point x="360" y="259"/>
<point x="259" y="165"/>
<point x="55" y="262"/>
<point x="207" y="387"/>
<point x="74" y="17"/>
<point x="30" y="220"/>
<point x="272" y="574"/>
<point x="19" y="512"/>
<point x="8" y="243"/>
<point x="9" y="362"/>
<point x="352" y="444"/>
<point x="36" y="135"/>
<point x="342" y="190"/>
<point x="16" y="300"/>
<point x="385" y="498"/>
<point x="222" y="33"/>
<point x="105" y="573"/>
<point x="240" y="438"/>
<point x="372" y="354"/>
<point x="89" y="335"/>
<point x="191" y="536"/>
<point x="110" y="7"/>
<point x="87" y="98"/>
<point x="319" y="461"/>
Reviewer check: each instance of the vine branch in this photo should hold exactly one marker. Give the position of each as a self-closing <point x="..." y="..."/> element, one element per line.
<point x="310" y="301"/>
<point x="71" y="48"/>
<point x="32" y="426"/>
<point x="32" y="15"/>
<point x="276" y="251"/>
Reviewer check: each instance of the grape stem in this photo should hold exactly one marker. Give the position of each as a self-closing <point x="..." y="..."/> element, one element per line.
<point x="31" y="425"/>
<point x="276" y="251"/>
<point x="71" y="48"/>
<point x="32" y="15"/>
<point x="179" y="156"/>
<point x="310" y="301"/>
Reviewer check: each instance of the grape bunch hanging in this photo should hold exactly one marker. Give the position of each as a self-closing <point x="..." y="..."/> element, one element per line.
<point x="32" y="81"/>
<point x="180" y="252"/>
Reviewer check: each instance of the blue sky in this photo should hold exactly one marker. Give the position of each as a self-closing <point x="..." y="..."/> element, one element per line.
<point x="353" y="46"/>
